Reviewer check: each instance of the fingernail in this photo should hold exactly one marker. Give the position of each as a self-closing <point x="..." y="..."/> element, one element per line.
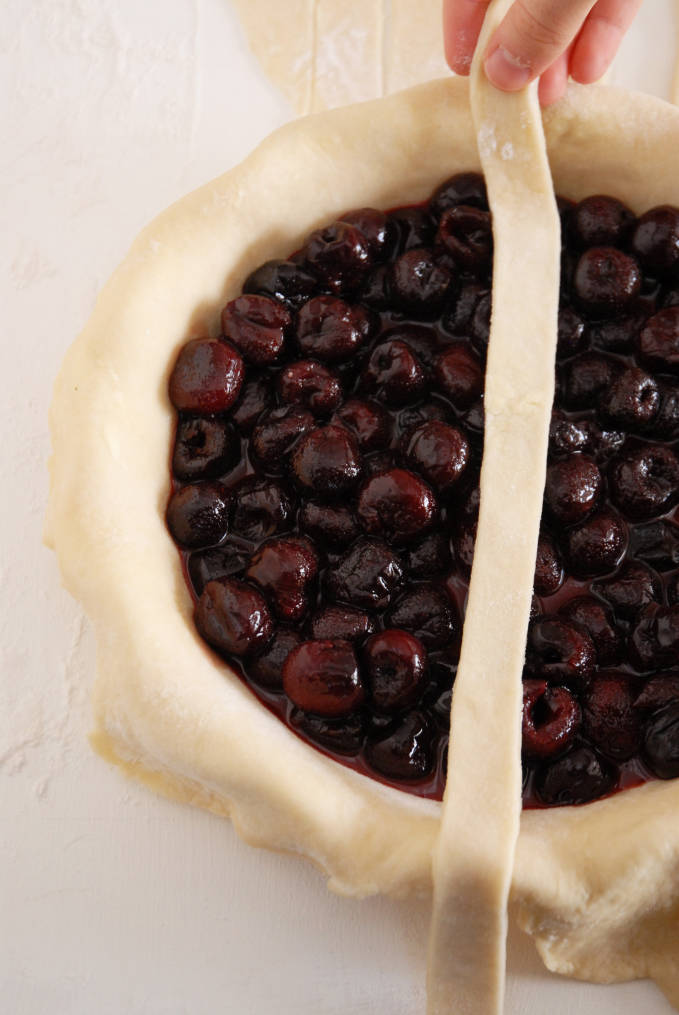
<point x="506" y="71"/>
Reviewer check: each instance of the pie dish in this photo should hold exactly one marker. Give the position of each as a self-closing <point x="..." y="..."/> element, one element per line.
<point x="597" y="886"/>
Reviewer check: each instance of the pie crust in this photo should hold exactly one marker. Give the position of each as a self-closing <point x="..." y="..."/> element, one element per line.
<point x="598" y="885"/>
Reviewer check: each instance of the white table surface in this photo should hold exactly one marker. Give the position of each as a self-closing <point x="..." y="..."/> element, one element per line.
<point x="114" y="900"/>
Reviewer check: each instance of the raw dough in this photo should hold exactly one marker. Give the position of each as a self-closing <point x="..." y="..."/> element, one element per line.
<point x="325" y="53"/>
<point x="597" y="886"/>
<point x="480" y="821"/>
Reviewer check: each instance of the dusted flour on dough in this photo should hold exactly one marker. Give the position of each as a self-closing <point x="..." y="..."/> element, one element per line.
<point x="325" y="53"/>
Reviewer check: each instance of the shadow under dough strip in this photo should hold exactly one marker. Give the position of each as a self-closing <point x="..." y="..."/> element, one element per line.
<point x="474" y="856"/>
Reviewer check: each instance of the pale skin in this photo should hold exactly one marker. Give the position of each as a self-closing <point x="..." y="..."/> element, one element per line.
<point x="547" y="39"/>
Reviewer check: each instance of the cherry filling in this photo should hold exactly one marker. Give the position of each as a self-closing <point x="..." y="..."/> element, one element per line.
<point x="326" y="492"/>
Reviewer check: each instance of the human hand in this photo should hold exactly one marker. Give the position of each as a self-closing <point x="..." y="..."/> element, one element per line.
<point x="549" y="39"/>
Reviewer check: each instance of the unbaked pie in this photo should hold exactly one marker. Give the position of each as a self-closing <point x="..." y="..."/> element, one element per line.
<point x="377" y="409"/>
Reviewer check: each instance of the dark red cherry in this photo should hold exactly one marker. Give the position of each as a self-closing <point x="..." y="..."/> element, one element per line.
<point x="427" y="612"/>
<point x="566" y="435"/>
<point x="323" y="677"/>
<point x="331" y="524"/>
<point x="658" y="692"/>
<point x="340" y="254"/>
<point x="421" y="338"/>
<point x="438" y="451"/>
<point x="673" y="589"/>
<point x="551" y="720"/>
<point x="233" y="617"/>
<point x="560" y="653"/>
<point x="644" y="481"/>
<point x="631" y="401"/>
<point x="654" y="642"/>
<point x="632" y="587"/>
<point x="610" y="721"/>
<point x="261" y="508"/>
<point x="620" y="333"/>
<point x="257" y="326"/>
<point x="407" y="752"/>
<point x="579" y="776"/>
<point x="600" y="221"/>
<point x="283" y="568"/>
<point x="276" y="433"/>
<point x="606" y="281"/>
<point x="465" y="234"/>
<point x="428" y="557"/>
<point x="464" y="541"/>
<point x="204" y="448"/>
<point x="459" y="374"/>
<point x="267" y="668"/>
<point x="394" y="373"/>
<point x="376" y="464"/>
<point x="592" y="616"/>
<point x="414" y="415"/>
<point x="331" y="330"/>
<point x="342" y="622"/>
<point x="549" y="573"/>
<point x="603" y="443"/>
<point x="572" y="333"/>
<point x="597" y="545"/>
<point x="307" y="382"/>
<point x="665" y="426"/>
<point x="366" y="576"/>
<point x="368" y="421"/>
<point x="396" y="668"/>
<point x="198" y="515"/>
<point x="457" y="316"/>
<point x="207" y="376"/>
<point x="661" y="742"/>
<point x="342" y="736"/>
<point x="655" y="242"/>
<point x="658" y="342"/>
<point x="377" y="230"/>
<point x="572" y="488"/>
<point x="414" y="227"/>
<point x="376" y="292"/>
<point x="396" y="505"/>
<point x="226" y="561"/>
<point x="326" y="461"/>
<point x="585" y="378"/>
<point x="254" y="399"/>
<point x="657" y="543"/>
<point x="480" y="324"/>
<point x="285" y="281"/>
<point x="420" y="282"/>
<point x="463" y="188"/>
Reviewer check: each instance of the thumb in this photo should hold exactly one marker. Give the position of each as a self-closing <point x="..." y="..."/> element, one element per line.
<point x="531" y="37"/>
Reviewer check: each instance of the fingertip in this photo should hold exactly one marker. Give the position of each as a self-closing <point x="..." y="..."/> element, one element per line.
<point x="599" y="40"/>
<point x="591" y="59"/>
<point x="462" y="21"/>
<point x="458" y="59"/>
<point x="505" y="71"/>
<point x="554" y="81"/>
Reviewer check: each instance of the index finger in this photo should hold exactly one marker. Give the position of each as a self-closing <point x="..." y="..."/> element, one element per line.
<point x="462" y="20"/>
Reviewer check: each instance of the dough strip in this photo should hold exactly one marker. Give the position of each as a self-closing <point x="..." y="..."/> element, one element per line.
<point x="474" y="856"/>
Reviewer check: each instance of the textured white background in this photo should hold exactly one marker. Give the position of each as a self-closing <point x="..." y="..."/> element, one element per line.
<point x="113" y="900"/>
